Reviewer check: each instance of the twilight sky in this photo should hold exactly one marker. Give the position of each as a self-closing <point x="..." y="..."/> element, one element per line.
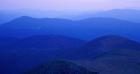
<point x="68" y="5"/>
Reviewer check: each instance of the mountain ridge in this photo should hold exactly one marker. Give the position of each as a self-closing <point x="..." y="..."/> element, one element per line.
<point x="104" y="44"/>
<point x="60" y="67"/>
<point x="69" y="28"/>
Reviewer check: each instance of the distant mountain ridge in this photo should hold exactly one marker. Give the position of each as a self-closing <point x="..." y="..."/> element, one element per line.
<point x="123" y="14"/>
<point x="27" y="26"/>
<point x="27" y="42"/>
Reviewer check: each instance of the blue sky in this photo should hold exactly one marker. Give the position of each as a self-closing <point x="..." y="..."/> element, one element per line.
<point x="69" y="5"/>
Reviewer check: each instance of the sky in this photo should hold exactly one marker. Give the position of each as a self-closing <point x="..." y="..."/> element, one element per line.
<point x="69" y="5"/>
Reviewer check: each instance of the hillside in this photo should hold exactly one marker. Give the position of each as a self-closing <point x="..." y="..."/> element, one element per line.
<point x="105" y="44"/>
<point x="48" y="41"/>
<point x="106" y="54"/>
<point x="60" y="67"/>
<point x="119" y="61"/>
<point x="86" y="29"/>
<point x="31" y="51"/>
<point x="111" y="55"/>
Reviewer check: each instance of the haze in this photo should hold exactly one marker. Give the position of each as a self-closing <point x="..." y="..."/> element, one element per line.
<point x="69" y="5"/>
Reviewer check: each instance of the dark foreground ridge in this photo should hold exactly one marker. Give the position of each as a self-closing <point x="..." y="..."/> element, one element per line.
<point x="60" y="67"/>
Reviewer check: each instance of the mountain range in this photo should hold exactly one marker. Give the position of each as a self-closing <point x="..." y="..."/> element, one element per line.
<point x="84" y="29"/>
<point x="110" y="55"/>
<point x="105" y="44"/>
<point x="105" y="54"/>
<point x="34" y="50"/>
<point x="48" y="41"/>
<point x="108" y="43"/>
<point x="118" y="61"/>
<point x="123" y="14"/>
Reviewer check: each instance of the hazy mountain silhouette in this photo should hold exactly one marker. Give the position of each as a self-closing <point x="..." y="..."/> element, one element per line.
<point x="7" y="16"/>
<point x="86" y="29"/>
<point x="114" y="55"/>
<point x="124" y="14"/>
<point x="37" y="47"/>
<point x="27" y="26"/>
<point x="105" y="44"/>
<point x="27" y="42"/>
<point x="26" y="22"/>
<point x="48" y="41"/>
<point x="31" y="51"/>
<point x="110" y="50"/>
<point x="60" y="67"/>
